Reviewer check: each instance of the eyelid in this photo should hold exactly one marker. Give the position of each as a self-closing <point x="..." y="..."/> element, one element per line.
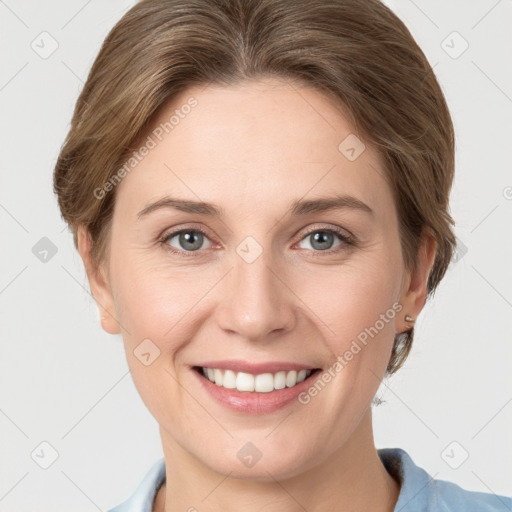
<point x="186" y="227"/>
<point x="345" y="233"/>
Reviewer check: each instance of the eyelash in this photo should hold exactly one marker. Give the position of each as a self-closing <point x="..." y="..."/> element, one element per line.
<point x="347" y="240"/>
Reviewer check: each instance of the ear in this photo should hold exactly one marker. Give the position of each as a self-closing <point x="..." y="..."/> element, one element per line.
<point x="415" y="283"/>
<point x="98" y="282"/>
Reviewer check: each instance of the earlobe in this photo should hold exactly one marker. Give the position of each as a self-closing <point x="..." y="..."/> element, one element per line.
<point x="414" y="294"/>
<point x="98" y="283"/>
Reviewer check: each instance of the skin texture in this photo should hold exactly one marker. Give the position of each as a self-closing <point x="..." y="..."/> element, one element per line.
<point x="252" y="149"/>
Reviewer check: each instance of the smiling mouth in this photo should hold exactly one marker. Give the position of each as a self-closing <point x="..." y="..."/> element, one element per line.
<point x="261" y="383"/>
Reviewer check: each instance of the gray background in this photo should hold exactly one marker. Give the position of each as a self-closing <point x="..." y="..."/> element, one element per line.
<point x="65" y="382"/>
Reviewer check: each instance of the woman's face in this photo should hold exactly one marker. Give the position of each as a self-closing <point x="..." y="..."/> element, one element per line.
<point x="262" y="274"/>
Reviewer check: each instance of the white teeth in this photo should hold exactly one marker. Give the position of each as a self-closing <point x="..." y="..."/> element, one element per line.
<point x="244" y="382"/>
<point x="229" y="379"/>
<point x="291" y="379"/>
<point x="280" y="380"/>
<point x="262" y="383"/>
<point x="217" y="374"/>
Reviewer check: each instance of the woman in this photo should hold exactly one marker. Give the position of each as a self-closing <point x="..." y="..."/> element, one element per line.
<point x="259" y="192"/>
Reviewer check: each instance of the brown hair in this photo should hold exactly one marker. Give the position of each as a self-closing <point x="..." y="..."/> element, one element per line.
<point x="358" y="52"/>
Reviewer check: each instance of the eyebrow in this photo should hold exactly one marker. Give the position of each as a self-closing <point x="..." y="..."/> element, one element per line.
<point x="297" y="208"/>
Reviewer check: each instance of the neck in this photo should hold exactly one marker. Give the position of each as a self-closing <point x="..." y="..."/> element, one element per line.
<point x="353" y="478"/>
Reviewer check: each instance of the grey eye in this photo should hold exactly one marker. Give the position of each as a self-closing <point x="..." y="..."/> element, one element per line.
<point x="321" y="240"/>
<point x="189" y="240"/>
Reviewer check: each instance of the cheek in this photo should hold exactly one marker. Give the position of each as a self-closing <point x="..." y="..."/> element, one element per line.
<point x="159" y="302"/>
<point x="357" y="312"/>
<point x="144" y="298"/>
<point x="153" y="311"/>
<point x="357" y="306"/>
<point x="349" y="300"/>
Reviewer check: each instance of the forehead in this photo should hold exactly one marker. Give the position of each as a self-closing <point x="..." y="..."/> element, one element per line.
<point x="264" y="141"/>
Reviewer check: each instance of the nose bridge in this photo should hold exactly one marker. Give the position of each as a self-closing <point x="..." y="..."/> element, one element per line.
<point x="255" y="302"/>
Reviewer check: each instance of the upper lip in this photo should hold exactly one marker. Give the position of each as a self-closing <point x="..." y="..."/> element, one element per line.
<point x="239" y="365"/>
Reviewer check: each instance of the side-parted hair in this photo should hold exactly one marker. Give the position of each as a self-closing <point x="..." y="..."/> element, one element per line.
<point x="359" y="53"/>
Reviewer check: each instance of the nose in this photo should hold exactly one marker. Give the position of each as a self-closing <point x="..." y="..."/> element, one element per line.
<point x="257" y="303"/>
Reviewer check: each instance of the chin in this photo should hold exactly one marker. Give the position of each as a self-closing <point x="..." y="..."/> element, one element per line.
<point x="265" y="464"/>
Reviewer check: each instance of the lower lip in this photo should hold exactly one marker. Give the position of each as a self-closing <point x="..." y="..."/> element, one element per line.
<point x="250" y="402"/>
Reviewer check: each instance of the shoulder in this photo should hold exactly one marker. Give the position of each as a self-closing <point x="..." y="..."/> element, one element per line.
<point x="420" y="492"/>
<point x="453" y="497"/>
<point x="141" y="500"/>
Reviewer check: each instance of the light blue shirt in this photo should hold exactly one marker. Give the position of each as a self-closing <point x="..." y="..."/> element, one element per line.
<point x="419" y="492"/>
